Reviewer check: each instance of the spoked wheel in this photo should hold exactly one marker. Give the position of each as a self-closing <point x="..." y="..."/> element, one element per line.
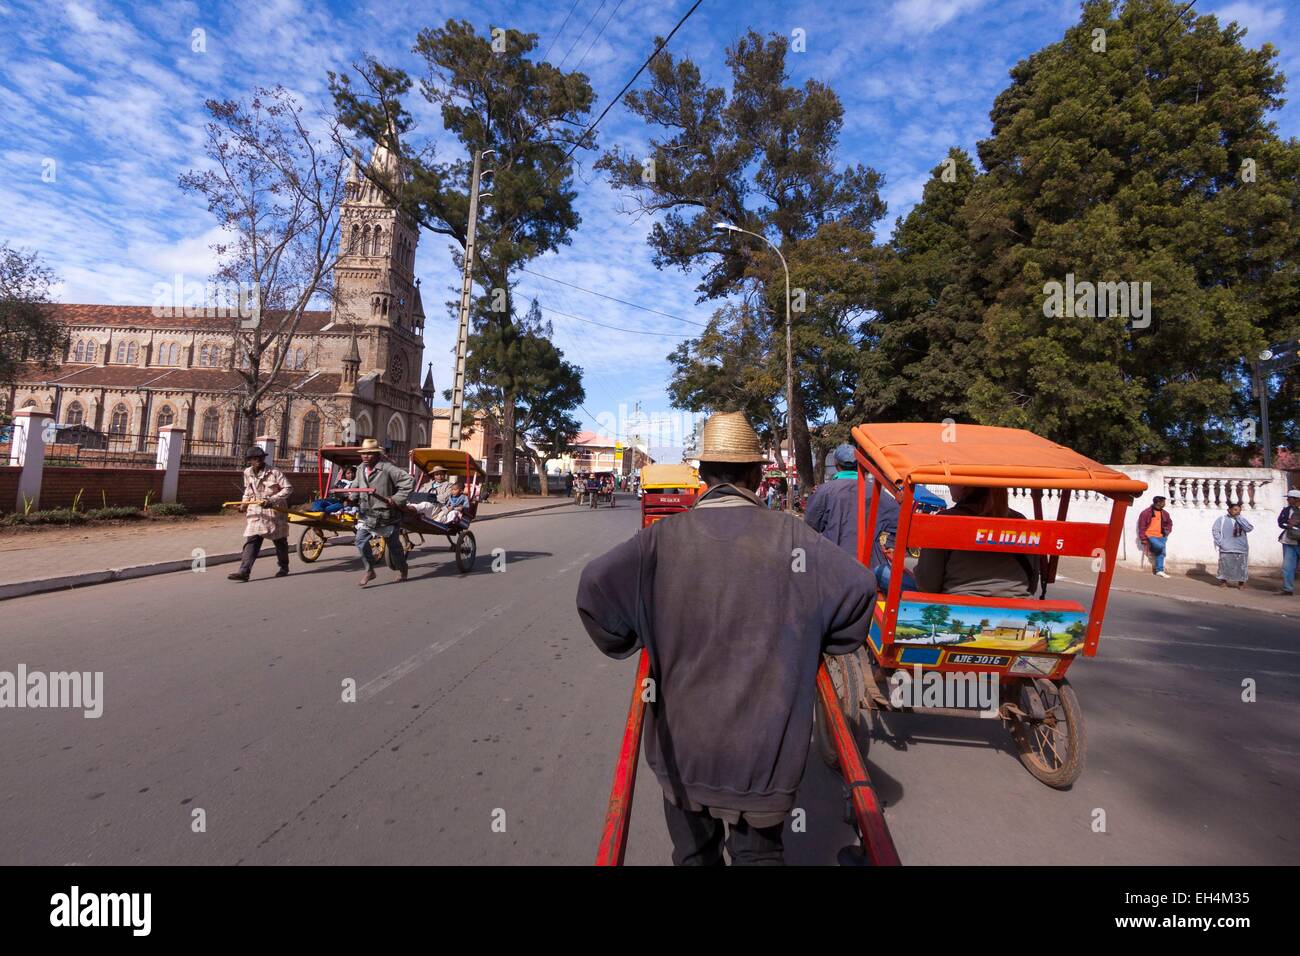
<point x="466" y="551"/>
<point x="311" y="544"/>
<point x="850" y="688"/>
<point x="1052" y="749"/>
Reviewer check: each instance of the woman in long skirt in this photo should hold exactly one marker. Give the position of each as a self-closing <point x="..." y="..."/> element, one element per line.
<point x="1230" y="539"/>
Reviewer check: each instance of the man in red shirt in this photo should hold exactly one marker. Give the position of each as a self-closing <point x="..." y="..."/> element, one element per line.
<point x="1153" y="527"/>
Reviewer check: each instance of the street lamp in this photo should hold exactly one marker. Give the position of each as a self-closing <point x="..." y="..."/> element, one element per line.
<point x="789" y="355"/>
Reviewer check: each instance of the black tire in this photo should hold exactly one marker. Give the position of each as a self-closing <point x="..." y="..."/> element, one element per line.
<point x="1040" y="743"/>
<point x="850" y="687"/>
<point x="466" y="551"/>
<point x="311" y="544"/>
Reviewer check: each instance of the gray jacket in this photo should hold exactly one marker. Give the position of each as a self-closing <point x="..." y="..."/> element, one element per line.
<point x="735" y="604"/>
<point x="387" y="480"/>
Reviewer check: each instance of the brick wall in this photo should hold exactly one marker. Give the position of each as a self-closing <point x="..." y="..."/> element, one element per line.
<point x="205" y="490"/>
<point x="199" y="490"/>
<point x="8" y="487"/>
<point x="116" y="486"/>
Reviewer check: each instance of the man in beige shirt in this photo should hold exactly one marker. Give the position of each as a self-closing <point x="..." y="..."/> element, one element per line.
<point x="265" y="490"/>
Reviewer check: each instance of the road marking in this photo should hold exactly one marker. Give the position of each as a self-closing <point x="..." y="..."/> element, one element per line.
<point x="1248" y="671"/>
<point x="421" y="657"/>
<point x="1185" y="644"/>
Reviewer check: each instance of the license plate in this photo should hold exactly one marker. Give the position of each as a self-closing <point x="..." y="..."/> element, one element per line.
<point x="979" y="660"/>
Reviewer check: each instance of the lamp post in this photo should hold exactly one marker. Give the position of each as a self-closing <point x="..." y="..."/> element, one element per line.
<point x="789" y="356"/>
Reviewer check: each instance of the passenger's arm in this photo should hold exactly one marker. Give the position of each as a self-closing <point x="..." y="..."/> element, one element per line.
<point x="607" y="599"/>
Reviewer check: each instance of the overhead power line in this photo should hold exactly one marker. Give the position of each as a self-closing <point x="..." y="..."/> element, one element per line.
<point x="567" y="315"/>
<point x="643" y="308"/>
<point x="559" y="32"/>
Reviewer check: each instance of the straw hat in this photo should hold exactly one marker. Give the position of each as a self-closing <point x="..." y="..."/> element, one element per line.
<point x="368" y="446"/>
<point x="728" y="437"/>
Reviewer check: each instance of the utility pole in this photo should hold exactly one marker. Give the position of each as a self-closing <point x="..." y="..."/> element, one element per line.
<point x="466" y="287"/>
<point x="1272" y="360"/>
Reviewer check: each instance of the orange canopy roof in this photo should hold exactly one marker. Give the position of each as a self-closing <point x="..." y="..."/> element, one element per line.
<point x="983" y="456"/>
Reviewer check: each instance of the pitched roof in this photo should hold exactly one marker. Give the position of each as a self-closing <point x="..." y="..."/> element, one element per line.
<point x="143" y="317"/>
<point x="173" y="379"/>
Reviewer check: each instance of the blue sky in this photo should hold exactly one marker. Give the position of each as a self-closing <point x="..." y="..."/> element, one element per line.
<point x="113" y="94"/>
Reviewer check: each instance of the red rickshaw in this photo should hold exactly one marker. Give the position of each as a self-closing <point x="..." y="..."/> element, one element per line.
<point x="1026" y="644"/>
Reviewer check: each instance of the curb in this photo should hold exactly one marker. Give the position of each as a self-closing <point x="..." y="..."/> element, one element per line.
<point x="1188" y="600"/>
<point x="65" y="582"/>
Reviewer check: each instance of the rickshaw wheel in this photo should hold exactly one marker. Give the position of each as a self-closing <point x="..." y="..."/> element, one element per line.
<point x="850" y="688"/>
<point x="466" y="551"/>
<point x="1054" y="749"/>
<point x="311" y="544"/>
<point x="407" y="544"/>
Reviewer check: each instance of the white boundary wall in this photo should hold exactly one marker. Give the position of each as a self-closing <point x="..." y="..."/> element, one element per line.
<point x="1195" y="498"/>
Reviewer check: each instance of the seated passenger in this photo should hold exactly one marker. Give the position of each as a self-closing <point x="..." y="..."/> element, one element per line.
<point x="978" y="573"/>
<point x="455" y="507"/>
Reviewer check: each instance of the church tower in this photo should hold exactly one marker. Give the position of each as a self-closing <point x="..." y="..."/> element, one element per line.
<point x="375" y="276"/>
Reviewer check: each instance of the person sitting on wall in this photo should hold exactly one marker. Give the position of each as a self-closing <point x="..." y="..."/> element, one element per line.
<point x="978" y="573"/>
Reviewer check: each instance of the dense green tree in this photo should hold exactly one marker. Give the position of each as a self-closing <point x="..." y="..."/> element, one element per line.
<point x="519" y="364"/>
<point x="1151" y="162"/>
<point x="531" y="114"/>
<point x="922" y="347"/>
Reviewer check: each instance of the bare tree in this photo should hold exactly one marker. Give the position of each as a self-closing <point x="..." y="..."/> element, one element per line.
<point x="276" y="185"/>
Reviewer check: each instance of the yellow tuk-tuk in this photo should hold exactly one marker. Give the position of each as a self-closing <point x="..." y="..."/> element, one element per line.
<point x="667" y="490"/>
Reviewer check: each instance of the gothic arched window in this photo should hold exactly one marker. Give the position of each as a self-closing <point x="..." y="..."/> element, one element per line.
<point x="120" y="357"/>
<point x="75" y="414"/>
<point x="120" y="420"/>
<point x="133" y="353"/>
<point x="211" y="425"/>
<point x="311" y="430"/>
<point x="377" y="242"/>
<point x="92" y="347"/>
<point x="166" y="416"/>
<point x="79" y="353"/>
<point x="354" y="246"/>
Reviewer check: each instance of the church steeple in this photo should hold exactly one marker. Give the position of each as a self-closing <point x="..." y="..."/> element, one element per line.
<point x="351" y="362"/>
<point x="427" y="388"/>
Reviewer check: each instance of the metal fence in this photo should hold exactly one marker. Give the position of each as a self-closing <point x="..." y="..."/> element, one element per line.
<point x="90" y="449"/>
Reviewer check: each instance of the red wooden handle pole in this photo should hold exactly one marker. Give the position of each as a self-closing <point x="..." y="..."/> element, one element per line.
<point x="613" y="840"/>
<point x="876" y="841"/>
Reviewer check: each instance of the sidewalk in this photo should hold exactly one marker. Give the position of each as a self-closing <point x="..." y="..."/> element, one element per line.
<point x="1192" y="584"/>
<point x="32" y="562"/>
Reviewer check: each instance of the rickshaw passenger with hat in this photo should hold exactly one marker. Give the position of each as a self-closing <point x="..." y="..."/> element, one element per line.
<point x="265" y="489"/>
<point x="735" y="604"/>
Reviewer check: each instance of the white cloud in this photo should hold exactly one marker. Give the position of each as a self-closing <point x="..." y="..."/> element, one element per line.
<point x="925" y="16"/>
<point x="1255" y="17"/>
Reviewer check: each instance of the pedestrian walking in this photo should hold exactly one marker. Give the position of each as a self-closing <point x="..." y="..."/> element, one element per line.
<point x="735" y="605"/>
<point x="265" y="490"/>
<point x="1230" y="539"/>
<point x="380" y="509"/>
<point x="1154" y="527"/>
<point x="1288" y="520"/>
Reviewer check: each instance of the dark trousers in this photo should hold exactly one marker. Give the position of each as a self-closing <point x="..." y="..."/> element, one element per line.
<point x="253" y="545"/>
<point x="698" y="838"/>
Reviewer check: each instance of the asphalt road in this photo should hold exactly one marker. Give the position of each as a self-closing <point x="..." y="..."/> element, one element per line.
<point x="486" y="725"/>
